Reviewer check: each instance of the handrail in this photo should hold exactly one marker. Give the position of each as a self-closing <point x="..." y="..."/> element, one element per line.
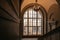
<point x="57" y="30"/>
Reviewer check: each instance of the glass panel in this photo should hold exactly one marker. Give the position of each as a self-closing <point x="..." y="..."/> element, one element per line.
<point x="34" y="30"/>
<point x="25" y="22"/>
<point x="25" y="31"/>
<point x="34" y="22"/>
<point x="25" y="15"/>
<point x="30" y="13"/>
<point x="39" y="23"/>
<point x="30" y="30"/>
<point x="34" y="14"/>
<point x="39" y="20"/>
<point x="39" y="30"/>
<point x="30" y="22"/>
<point x="39" y="15"/>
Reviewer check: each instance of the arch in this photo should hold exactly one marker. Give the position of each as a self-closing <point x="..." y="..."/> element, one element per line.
<point x="44" y="14"/>
<point x="32" y="4"/>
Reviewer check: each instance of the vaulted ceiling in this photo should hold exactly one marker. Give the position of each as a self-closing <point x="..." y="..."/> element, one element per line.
<point x="21" y="1"/>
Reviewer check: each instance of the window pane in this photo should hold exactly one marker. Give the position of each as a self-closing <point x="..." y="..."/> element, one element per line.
<point x="34" y="20"/>
<point x="30" y="13"/>
<point x="25" y="20"/>
<point x="25" y="23"/>
<point x="34" y="23"/>
<point x="34" y="30"/>
<point x="30" y="22"/>
<point x="30" y="30"/>
<point x="39" y="15"/>
<point x="25" y="15"/>
<point x="34" y="14"/>
<point x="25" y="30"/>
<point x="39" y="30"/>
<point x="39" y="20"/>
<point x="39" y="23"/>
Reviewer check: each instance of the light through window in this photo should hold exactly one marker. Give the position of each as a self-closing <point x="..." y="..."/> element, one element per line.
<point x="32" y="22"/>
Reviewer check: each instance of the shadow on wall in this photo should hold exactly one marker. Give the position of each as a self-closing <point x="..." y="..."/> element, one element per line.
<point x="9" y="19"/>
<point x="54" y="13"/>
<point x="58" y="1"/>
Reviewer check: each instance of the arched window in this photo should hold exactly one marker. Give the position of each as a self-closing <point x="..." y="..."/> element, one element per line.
<point x="32" y="22"/>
